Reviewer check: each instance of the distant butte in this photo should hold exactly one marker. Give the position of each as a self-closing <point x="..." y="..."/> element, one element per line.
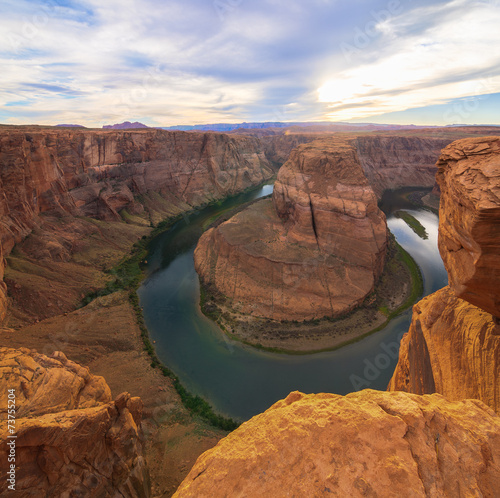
<point x="126" y="125"/>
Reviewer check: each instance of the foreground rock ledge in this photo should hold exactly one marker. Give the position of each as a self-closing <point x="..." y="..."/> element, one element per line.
<point x="317" y="250"/>
<point x="364" y="444"/>
<point x="72" y="439"/>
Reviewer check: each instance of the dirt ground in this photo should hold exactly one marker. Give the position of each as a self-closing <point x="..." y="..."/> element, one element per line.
<point x="104" y="336"/>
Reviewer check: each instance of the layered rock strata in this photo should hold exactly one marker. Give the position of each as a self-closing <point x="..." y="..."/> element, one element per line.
<point x="63" y="173"/>
<point x="392" y="162"/>
<point x="71" y="438"/>
<point x="315" y="250"/>
<point x="364" y="444"/>
<point x="453" y="346"/>
<point x="469" y="230"/>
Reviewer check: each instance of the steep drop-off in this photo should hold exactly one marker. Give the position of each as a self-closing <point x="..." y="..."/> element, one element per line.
<point x="469" y="230"/>
<point x="71" y="438"/>
<point x="316" y="250"/>
<point x="364" y="444"/>
<point x="453" y="346"/>
<point x="392" y="162"/>
<point x="50" y="179"/>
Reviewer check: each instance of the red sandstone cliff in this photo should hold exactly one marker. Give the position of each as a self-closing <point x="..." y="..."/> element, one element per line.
<point x="72" y="439"/>
<point x="316" y="251"/>
<point x="364" y="444"/>
<point x="469" y="230"/>
<point x="62" y="173"/>
<point x="453" y="346"/>
<point x="392" y="162"/>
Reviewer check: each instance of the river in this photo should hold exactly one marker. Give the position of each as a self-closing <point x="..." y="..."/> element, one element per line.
<point x="240" y="381"/>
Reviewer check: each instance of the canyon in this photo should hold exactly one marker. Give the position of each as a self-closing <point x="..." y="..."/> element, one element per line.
<point x="453" y="345"/>
<point x="315" y="250"/>
<point x="73" y="204"/>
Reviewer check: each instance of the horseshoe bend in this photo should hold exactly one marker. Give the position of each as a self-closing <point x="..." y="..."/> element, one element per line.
<point x="316" y="249"/>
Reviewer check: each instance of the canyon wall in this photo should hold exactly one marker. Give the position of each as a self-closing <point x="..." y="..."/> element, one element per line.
<point x="392" y="162"/>
<point x="364" y="444"/>
<point x="72" y="438"/>
<point x="316" y="250"/>
<point x="453" y="345"/>
<point x="86" y="173"/>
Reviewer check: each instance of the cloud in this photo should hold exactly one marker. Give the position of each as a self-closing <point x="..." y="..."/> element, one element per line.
<point x="449" y="59"/>
<point x="193" y="61"/>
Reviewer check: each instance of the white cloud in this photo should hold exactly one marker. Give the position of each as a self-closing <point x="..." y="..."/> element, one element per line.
<point x="454" y="58"/>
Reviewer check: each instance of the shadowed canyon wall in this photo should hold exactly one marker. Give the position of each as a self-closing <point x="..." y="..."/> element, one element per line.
<point x="65" y="174"/>
<point x="453" y="345"/>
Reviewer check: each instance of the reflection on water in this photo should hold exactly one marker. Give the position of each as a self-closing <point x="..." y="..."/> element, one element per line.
<point x="238" y="380"/>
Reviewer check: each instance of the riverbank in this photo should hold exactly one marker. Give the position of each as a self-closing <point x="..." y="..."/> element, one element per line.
<point x="106" y="333"/>
<point x="399" y="287"/>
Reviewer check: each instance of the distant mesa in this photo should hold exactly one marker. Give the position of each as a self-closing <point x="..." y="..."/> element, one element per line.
<point x="127" y="125"/>
<point x="70" y="126"/>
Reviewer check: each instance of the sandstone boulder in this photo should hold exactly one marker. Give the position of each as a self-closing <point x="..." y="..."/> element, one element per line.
<point x="364" y="444"/>
<point x="72" y="439"/>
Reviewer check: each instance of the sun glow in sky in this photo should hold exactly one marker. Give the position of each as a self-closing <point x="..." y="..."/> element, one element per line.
<point x="204" y="61"/>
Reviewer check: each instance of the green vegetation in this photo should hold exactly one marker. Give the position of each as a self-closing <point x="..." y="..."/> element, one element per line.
<point x="128" y="275"/>
<point x="396" y="253"/>
<point x="413" y="223"/>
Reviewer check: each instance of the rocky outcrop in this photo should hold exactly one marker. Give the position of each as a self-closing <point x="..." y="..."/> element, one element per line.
<point x="98" y="174"/>
<point x="364" y="444"/>
<point x="392" y="162"/>
<point x="70" y="436"/>
<point x="453" y="346"/>
<point x="469" y="235"/>
<point x="316" y="250"/>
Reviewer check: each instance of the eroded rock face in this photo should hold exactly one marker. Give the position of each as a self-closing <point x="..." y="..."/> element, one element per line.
<point x="364" y="444"/>
<point x="71" y="436"/>
<point x="469" y="230"/>
<point x="316" y="250"/>
<point x="392" y="162"/>
<point x="452" y="348"/>
<point x="77" y="172"/>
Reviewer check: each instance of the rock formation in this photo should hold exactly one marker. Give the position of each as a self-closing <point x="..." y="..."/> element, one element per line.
<point x="392" y="162"/>
<point x="71" y="172"/>
<point x="469" y="231"/>
<point x="71" y="437"/>
<point x="316" y="250"/>
<point x="453" y="346"/>
<point x="364" y="444"/>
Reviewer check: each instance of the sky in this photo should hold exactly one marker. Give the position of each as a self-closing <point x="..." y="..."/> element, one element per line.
<point x="173" y="62"/>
